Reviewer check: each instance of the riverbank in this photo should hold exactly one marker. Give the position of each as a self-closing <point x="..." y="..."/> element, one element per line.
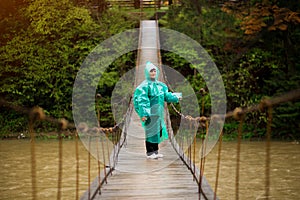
<point x="70" y="134"/>
<point x="67" y="134"/>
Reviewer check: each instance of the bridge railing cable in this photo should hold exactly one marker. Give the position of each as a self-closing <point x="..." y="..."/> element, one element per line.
<point x="239" y="115"/>
<point x="266" y="104"/>
<point x="116" y="134"/>
<point x="36" y="114"/>
<point x="110" y="156"/>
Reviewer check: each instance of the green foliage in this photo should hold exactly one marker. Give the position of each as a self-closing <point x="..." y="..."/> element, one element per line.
<point x="243" y="84"/>
<point x="44" y="42"/>
<point x="253" y="67"/>
<point x="230" y="130"/>
<point x="106" y="117"/>
<point x="39" y="62"/>
<point x="12" y="122"/>
<point x="286" y="121"/>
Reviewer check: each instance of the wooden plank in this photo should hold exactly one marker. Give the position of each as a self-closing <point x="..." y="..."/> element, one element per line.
<point x="136" y="177"/>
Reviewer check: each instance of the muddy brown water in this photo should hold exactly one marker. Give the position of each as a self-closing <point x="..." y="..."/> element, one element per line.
<point x="16" y="179"/>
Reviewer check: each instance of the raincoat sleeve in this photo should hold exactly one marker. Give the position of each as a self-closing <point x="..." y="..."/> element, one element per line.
<point x="169" y="96"/>
<point x="142" y="101"/>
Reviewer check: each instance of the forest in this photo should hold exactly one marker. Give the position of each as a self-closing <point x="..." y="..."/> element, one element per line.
<point x="254" y="43"/>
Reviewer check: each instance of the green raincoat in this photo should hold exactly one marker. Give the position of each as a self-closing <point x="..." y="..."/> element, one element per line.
<point x="149" y="98"/>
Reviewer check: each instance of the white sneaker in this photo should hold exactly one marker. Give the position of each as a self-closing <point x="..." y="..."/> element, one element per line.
<point x="159" y="155"/>
<point x="152" y="156"/>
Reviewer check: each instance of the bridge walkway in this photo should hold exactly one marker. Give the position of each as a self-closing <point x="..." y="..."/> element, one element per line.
<point x="134" y="176"/>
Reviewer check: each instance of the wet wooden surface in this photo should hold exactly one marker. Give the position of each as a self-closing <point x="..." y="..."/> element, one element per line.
<point x="136" y="177"/>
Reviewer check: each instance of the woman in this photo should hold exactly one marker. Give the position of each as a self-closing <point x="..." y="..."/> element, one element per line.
<point x="149" y="98"/>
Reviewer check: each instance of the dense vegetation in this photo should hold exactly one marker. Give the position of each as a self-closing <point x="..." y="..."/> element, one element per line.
<point x="254" y="43"/>
<point x="43" y="45"/>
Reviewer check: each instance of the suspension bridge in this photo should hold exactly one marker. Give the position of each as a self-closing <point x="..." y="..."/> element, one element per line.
<point x="135" y="177"/>
<point x="125" y="173"/>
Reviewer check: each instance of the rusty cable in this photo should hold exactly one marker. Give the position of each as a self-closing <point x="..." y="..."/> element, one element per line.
<point x="194" y="144"/>
<point x="89" y="169"/>
<point x="33" y="159"/>
<point x="103" y="154"/>
<point x="60" y="152"/>
<point x="268" y="155"/>
<point x="202" y="160"/>
<point x="98" y="166"/>
<point x="218" y="164"/>
<point x="240" y="116"/>
<point x="77" y="166"/>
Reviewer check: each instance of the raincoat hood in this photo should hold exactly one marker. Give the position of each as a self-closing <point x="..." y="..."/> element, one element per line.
<point x="148" y="68"/>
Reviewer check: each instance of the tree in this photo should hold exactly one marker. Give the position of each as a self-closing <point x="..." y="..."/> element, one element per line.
<point x="255" y="44"/>
<point x="39" y="64"/>
<point x="40" y="58"/>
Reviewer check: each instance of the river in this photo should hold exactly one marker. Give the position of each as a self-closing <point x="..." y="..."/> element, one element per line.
<point x="15" y="169"/>
<point x="284" y="170"/>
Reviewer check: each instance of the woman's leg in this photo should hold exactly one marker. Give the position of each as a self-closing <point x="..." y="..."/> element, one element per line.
<point x="151" y="148"/>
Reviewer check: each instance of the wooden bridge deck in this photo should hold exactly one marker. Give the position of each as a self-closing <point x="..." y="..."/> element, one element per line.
<point x="136" y="177"/>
